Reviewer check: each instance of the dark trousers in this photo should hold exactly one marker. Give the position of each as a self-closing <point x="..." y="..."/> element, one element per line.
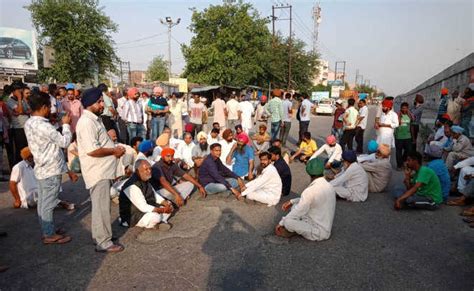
<point x="10" y="149"/>
<point x="415" y="128"/>
<point x="123" y="133"/>
<point x="348" y="139"/>
<point x="19" y="142"/>
<point x="196" y="129"/>
<point x="284" y="131"/>
<point x="109" y="123"/>
<point x="402" y="147"/>
<point x="303" y="128"/>
<point x="359" y="138"/>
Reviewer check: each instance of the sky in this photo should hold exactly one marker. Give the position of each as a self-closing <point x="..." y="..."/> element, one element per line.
<point x="396" y="44"/>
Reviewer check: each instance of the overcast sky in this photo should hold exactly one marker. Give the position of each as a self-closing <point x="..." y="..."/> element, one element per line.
<point x="396" y="44"/>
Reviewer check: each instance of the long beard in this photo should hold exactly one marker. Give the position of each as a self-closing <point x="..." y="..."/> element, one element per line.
<point x="241" y="149"/>
<point x="203" y="146"/>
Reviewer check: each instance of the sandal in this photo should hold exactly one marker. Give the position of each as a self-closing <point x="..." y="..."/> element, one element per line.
<point x="56" y="239"/>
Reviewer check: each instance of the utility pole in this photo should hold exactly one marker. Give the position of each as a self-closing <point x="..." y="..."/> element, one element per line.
<point x="169" y="23"/>
<point x="290" y="40"/>
<point x="316" y="22"/>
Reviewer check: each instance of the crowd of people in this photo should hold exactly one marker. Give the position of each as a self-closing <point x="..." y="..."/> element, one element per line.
<point x="151" y="153"/>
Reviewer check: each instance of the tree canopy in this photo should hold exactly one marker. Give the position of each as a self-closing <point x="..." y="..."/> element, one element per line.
<point x="157" y="70"/>
<point x="79" y="32"/>
<point x="232" y="45"/>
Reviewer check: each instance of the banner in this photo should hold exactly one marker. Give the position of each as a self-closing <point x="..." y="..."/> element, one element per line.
<point x="182" y="84"/>
<point x="317" y="96"/>
<point x="18" y="49"/>
<point x="335" y="90"/>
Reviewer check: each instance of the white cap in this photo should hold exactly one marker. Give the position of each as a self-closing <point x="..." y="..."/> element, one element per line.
<point x="471" y="86"/>
<point x="339" y="101"/>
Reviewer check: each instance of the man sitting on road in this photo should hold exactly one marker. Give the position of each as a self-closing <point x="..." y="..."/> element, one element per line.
<point x="461" y="148"/>
<point x="379" y="171"/>
<point x="306" y="149"/>
<point x="283" y="169"/>
<point x="145" y="149"/>
<point x="227" y="143"/>
<point x="184" y="154"/>
<point x="261" y="139"/>
<point x="423" y="190"/>
<point x="243" y="158"/>
<point x="216" y="178"/>
<point x="200" y="150"/>
<point x="171" y="171"/>
<point x="465" y="183"/>
<point x="266" y="188"/>
<point x="285" y="155"/>
<point x="333" y="151"/>
<point x="352" y="184"/>
<point x="312" y="215"/>
<point x="140" y="205"/>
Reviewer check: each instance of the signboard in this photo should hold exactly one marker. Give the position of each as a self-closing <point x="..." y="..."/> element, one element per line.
<point x="335" y="83"/>
<point x="18" y="49"/>
<point x="335" y="90"/>
<point x="182" y="84"/>
<point x="317" y="96"/>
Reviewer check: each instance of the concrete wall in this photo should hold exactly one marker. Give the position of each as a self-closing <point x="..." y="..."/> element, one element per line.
<point x="455" y="77"/>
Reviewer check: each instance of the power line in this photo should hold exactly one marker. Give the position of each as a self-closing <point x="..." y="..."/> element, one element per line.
<point x="143" y="45"/>
<point x="140" y="39"/>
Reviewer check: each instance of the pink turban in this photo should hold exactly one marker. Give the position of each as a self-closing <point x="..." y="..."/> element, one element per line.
<point x="157" y="90"/>
<point x="243" y="138"/>
<point x="131" y="92"/>
<point x="331" y="139"/>
<point x="263" y="98"/>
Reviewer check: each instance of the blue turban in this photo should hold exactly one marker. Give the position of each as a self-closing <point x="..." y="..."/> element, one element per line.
<point x="146" y="146"/>
<point x="70" y="86"/>
<point x="372" y="146"/>
<point x="349" y="156"/>
<point x="457" y="129"/>
<point x="90" y="96"/>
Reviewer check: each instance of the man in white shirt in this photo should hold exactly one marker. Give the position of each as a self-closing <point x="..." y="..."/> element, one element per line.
<point x="304" y="116"/>
<point x="23" y="183"/>
<point x="220" y="111"/>
<point x="353" y="183"/>
<point x="287" y="114"/>
<point x="140" y="204"/>
<point x="184" y="153"/>
<point x="312" y="215"/>
<point x="133" y="113"/>
<point x="333" y="151"/>
<point x="266" y="188"/>
<point x="47" y="146"/>
<point x="349" y="125"/>
<point x="197" y="111"/>
<point x="227" y="143"/>
<point x="99" y="157"/>
<point x="386" y="124"/>
<point x="234" y="113"/>
<point x="247" y="110"/>
<point x="361" y="125"/>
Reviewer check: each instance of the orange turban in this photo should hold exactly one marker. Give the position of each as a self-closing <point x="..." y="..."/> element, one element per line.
<point x="131" y="92"/>
<point x="276" y="92"/>
<point x="227" y="132"/>
<point x="444" y="91"/>
<point x="384" y="150"/>
<point x="167" y="151"/>
<point x="25" y="153"/>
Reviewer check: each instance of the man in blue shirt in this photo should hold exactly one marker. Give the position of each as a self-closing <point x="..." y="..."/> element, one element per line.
<point x="440" y="169"/>
<point x="158" y="108"/>
<point x="243" y="157"/>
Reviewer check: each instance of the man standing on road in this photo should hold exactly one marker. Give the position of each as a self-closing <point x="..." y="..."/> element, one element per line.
<point x="349" y="121"/>
<point x="220" y="110"/>
<point x="99" y="157"/>
<point x="20" y="112"/>
<point x="287" y="114"/>
<point x="361" y="125"/>
<point x="46" y="145"/>
<point x="158" y="108"/>
<point x="197" y="111"/>
<point x="304" y="116"/>
<point x="247" y="110"/>
<point x="233" y="111"/>
<point x="386" y="124"/>
<point x="133" y="112"/>
<point x="275" y="109"/>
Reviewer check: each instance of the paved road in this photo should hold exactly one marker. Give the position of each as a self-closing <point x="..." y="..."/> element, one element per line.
<point x="220" y="243"/>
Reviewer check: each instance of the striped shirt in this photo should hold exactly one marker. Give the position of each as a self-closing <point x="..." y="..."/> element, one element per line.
<point x="132" y="111"/>
<point x="275" y="108"/>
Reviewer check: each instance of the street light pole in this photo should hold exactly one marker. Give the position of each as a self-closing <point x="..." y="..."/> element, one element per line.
<point x="169" y="23"/>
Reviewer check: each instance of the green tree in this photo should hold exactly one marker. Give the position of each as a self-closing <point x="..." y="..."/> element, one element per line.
<point x="157" y="70"/>
<point x="79" y="32"/>
<point x="364" y="89"/>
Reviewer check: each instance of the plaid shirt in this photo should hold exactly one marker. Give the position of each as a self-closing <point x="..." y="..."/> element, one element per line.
<point x="46" y="144"/>
<point x="275" y="108"/>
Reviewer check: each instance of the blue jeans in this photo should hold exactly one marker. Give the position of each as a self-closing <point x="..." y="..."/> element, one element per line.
<point x="135" y="129"/>
<point x="157" y="126"/>
<point x="48" y="200"/>
<point x="275" y="129"/>
<point x="415" y="201"/>
<point x="214" y="188"/>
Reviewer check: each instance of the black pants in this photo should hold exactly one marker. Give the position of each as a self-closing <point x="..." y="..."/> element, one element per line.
<point x="348" y="139"/>
<point x="123" y="133"/>
<point x="415" y="128"/>
<point x="359" y="138"/>
<point x="196" y="129"/>
<point x="10" y="151"/>
<point x="402" y="147"/>
<point x="19" y="142"/>
<point x="303" y="128"/>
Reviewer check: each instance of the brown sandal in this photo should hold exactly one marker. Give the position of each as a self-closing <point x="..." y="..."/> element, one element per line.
<point x="56" y="239"/>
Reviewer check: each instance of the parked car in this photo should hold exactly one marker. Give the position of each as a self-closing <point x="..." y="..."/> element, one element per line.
<point x="325" y="106"/>
<point x="11" y="47"/>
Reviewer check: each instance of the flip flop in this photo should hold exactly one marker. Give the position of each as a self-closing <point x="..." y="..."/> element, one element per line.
<point x="58" y="240"/>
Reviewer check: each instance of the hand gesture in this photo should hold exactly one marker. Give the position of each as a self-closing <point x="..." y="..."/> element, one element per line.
<point x="119" y="151"/>
<point x="287" y="205"/>
<point x="72" y="176"/>
<point x="66" y="119"/>
<point x="397" y="205"/>
<point x="235" y="192"/>
<point x="202" y="191"/>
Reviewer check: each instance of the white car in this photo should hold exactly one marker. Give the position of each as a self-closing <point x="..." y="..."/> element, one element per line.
<point x="325" y="106"/>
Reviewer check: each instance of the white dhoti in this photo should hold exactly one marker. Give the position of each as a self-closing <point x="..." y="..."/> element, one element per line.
<point x="184" y="189"/>
<point x="260" y="196"/>
<point x="385" y="135"/>
<point x="306" y="228"/>
<point x="462" y="182"/>
<point x="151" y="219"/>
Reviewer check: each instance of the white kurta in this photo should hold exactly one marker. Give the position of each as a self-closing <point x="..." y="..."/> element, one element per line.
<point x="352" y="184"/>
<point x="467" y="168"/>
<point x="225" y="150"/>
<point x="247" y="109"/>
<point x="266" y="188"/>
<point x="334" y="153"/>
<point x="385" y="134"/>
<point x="312" y="215"/>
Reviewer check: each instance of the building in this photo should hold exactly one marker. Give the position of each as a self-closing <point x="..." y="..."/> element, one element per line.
<point x="323" y="73"/>
<point x="455" y="77"/>
<point x="137" y="77"/>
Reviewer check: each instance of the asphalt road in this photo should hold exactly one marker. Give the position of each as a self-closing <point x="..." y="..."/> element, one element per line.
<point x="220" y="243"/>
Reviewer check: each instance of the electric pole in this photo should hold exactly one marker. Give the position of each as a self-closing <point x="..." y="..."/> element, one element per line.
<point x="169" y="23"/>
<point x="290" y="40"/>
<point x="316" y="22"/>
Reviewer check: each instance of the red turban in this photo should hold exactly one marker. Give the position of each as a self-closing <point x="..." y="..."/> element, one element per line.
<point x="243" y="138"/>
<point x="188" y="127"/>
<point x="167" y="151"/>
<point x="387" y="103"/>
<point x="263" y="98"/>
<point x="131" y="92"/>
<point x="444" y="91"/>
